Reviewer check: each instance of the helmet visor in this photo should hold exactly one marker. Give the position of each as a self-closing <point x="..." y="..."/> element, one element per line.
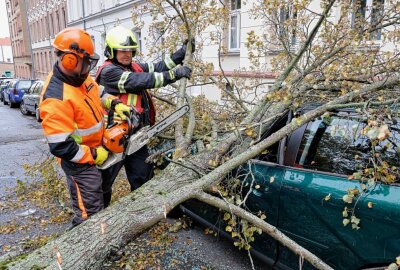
<point x="93" y="60"/>
<point x="89" y="63"/>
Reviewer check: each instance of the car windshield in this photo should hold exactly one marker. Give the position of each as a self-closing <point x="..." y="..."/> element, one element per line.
<point x="24" y="84"/>
<point x="332" y="146"/>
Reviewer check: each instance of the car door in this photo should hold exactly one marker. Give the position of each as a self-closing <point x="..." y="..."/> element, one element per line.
<point x="28" y="97"/>
<point x="311" y="199"/>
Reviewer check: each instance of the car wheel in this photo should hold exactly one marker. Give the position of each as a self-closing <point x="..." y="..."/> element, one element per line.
<point x="37" y="114"/>
<point x="23" y="109"/>
<point x="5" y="102"/>
<point x="12" y="104"/>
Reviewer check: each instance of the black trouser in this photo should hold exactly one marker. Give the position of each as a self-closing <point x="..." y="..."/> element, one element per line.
<point x="137" y="171"/>
<point x="86" y="193"/>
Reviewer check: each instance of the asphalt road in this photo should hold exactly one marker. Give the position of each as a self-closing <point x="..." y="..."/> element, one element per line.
<point x="22" y="141"/>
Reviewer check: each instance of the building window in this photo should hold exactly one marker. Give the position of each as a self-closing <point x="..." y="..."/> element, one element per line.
<point x="138" y="35"/>
<point x="286" y="29"/>
<point x="376" y="18"/>
<point x="368" y="14"/>
<point x="234" y="25"/>
<point x="358" y="16"/>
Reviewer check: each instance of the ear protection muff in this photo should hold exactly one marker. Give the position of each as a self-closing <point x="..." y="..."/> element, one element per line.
<point x="69" y="61"/>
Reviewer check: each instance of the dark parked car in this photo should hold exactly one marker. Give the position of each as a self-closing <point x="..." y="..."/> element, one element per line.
<point x="300" y="184"/>
<point x="3" y="85"/>
<point x="15" y="91"/>
<point x="30" y="100"/>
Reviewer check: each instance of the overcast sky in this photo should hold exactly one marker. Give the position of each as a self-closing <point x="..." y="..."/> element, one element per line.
<point x="4" y="30"/>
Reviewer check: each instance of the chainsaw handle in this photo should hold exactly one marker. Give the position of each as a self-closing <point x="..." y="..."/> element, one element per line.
<point x="110" y="118"/>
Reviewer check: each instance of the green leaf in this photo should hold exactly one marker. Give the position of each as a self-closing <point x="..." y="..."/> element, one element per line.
<point x="228" y="228"/>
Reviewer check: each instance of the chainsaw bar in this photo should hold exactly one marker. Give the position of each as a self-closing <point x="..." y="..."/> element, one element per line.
<point x="143" y="136"/>
<point x="140" y="139"/>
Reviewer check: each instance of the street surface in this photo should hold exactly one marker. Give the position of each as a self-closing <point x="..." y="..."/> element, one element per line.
<point x="22" y="141"/>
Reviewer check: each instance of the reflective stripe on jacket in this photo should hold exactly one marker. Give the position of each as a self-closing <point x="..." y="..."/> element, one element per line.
<point x="130" y="85"/>
<point x="72" y="118"/>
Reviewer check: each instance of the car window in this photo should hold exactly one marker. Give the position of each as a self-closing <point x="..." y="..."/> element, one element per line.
<point x="332" y="146"/>
<point x="24" y="84"/>
<point x="32" y="89"/>
<point x="39" y="88"/>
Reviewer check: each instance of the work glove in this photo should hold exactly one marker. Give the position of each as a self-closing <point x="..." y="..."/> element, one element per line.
<point x="179" y="55"/>
<point x="182" y="71"/>
<point x="122" y="110"/>
<point x="192" y="43"/>
<point x="100" y="155"/>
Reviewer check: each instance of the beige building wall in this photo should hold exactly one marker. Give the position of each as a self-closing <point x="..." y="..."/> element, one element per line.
<point x="19" y="35"/>
<point x="46" y="19"/>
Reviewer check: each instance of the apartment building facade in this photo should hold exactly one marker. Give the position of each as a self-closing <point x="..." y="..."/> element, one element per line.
<point x="19" y="34"/>
<point x="45" y="19"/>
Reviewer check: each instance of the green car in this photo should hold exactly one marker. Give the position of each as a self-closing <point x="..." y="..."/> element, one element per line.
<point x="300" y="185"/>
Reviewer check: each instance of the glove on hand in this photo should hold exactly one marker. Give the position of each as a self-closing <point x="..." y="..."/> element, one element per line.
<point x="182" y="71"/>
<point x="192" y="43"/>
<point x="101" y="155"/>
<point x="179" y="55"/>
<point x="121" y="109"/>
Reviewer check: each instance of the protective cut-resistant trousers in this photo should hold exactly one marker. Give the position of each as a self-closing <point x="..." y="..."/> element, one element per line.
<point x="86" y="194"/>
<point x="137" y="171"/>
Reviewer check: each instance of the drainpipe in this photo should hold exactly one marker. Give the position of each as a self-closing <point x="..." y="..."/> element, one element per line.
<point x="30" y="41"/>
<point x="83" y="15"/>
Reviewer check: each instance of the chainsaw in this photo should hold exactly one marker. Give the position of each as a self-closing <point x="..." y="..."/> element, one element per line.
<point x="127" y="137"/>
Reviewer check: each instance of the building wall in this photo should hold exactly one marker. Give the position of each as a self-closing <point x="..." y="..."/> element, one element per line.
<point x="46" y="19"/>
<point x="19" y="38"/>
<point x="6" y="50"/>
<point x="4" y="66"/>
<point x="98" y="16"/>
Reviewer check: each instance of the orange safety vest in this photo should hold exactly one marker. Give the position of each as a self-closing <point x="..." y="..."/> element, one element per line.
<point x="75" y="112"/>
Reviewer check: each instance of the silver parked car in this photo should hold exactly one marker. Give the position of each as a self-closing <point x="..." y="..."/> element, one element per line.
<point x="30" y="101"/>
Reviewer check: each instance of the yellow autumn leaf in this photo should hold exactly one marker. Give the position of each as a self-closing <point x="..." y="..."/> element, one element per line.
<point x="327" y="197"/>
<point x="227" y="216"/>
<point x="249" y="132"/>
<point x="271" y="179"/>
<point x="346" y="221"/>
<point x="347" y="198"/>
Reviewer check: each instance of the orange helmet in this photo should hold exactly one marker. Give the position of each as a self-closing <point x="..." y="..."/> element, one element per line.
<point x="75" y="40"/>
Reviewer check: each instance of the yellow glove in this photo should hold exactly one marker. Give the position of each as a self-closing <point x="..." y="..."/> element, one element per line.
<point x="121" y="109"/>
<point x="101" y="155"/>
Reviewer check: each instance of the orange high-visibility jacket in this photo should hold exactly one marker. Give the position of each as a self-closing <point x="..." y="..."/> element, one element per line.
<point x="72" y="118"/>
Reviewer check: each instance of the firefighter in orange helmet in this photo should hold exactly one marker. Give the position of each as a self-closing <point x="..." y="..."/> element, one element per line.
<point x="71" y="109"/>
